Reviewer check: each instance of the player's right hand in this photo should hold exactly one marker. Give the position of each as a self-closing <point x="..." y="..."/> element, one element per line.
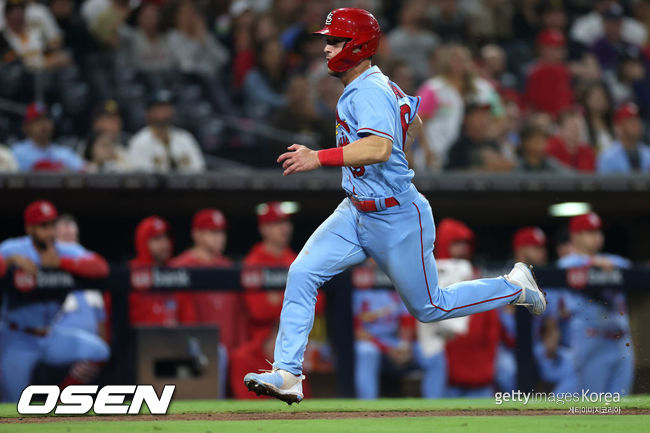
<point x="23" y="263"/>
<point x="299" y="158"/>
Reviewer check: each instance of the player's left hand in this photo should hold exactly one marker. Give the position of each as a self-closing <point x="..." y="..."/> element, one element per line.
<point x="299" y="158"/>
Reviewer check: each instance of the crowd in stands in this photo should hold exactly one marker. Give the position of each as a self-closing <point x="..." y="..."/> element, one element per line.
<point x="555" y="86"/>
<point x="582" y="341"/>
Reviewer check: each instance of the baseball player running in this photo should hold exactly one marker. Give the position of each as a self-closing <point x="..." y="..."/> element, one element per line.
<point x="383" y="216"/>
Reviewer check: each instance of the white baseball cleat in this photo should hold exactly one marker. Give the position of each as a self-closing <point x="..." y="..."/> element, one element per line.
<point x="276" y="383"/>
<point x="531" y="296"/>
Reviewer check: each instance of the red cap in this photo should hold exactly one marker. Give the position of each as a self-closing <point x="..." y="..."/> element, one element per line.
<point x="626" y="110"/>
<point x="34" y="111"/>
<point x="211" y="219"/>
<point x="551" y="38"/>
<point x="589" y="221"/>
<point x="39" y="212"/>
<point x="528" y="236"/>
<point x="270" y="213"/>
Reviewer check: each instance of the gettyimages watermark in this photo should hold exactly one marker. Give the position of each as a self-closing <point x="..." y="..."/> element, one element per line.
<point x="108" y="400"/>
<point x="584" y="402"/>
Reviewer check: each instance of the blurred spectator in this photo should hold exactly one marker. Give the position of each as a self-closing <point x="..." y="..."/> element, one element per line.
<point x="30" y="43"/>
<point x="264" y="84"/>
<point x="299" y="115"/>
<point x="494" y="68"/>
<point x="161" y="147"/>
<point x="7" y="161"/>
<point x="90" y="9"/>
<point x="153" y="247"/>
<point x="384" y="331"/>
<point x="104" y="154"/>
<point x="627" y="154"/>
<point x="444" y="98"/>
<point x="548" y="85"/>
<point x="401" y="74"/>
<point x="533" y="157"/>
<point x="75" y="33"/>
<point x="611" y="45"/>
<point x="491" y="19"/>
<point x="599" y="328"/>
<point x="108" y="26"/>
<point x="197" y="53"/>
<point x="567" y="146"/>
<point x="410" y="41"/>
<point x="243" y="26"/>
<point x="218" y="308"/>
<point x="631" y="83"/>
<point x="598" y="108"/>
<point x="509" y="140"/>
<point x="526" y="21"/>
<point x="37" y="152"/>
<point x="38" y="16"/>
<point x="106" y="117"/>
<point x="27" y="336"/>
<point x="149" y="51"/>
<point x="588" y="28"/>
<point x="474" y="150"/>
<point x="451" y="22"/>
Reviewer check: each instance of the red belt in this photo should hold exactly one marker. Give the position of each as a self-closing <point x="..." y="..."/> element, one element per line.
<point x="370" y="205"/>
<point x="39" y="332"/>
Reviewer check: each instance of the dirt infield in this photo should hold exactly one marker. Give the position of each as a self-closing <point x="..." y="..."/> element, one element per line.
<point x="299" y="415"/>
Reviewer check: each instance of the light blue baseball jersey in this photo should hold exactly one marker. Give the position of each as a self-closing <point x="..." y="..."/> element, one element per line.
<point x="386" y="309"/>
<point x="20" y="311"/>
<point x="28" y="155"/>
<point x="372" y="104"/>
<point x="609" y="312"/>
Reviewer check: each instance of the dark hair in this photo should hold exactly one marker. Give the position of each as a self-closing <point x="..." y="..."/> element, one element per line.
<point x="531" y="130"/>
<point x="67" y="218"/>
<point x="584" y="95"/>
<point x="90" y="143"/>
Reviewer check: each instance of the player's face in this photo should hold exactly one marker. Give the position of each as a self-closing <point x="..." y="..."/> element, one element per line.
<point x="110" y="123"/>
<point x="160" y="248"/>
<point x="67" y="231"/>
<point x="588" y="241"/>
<point x="333" y="46"/>
<point x="461" y="250"/>
<point x="43" y="235"/>
<point x="277" y="233"/>
<point x="531" y="254"/>
<point x="630" y="129"/>
<point x="214" y="241"/>
<point x="40" y="130"/>
<point x="161" y="115"/>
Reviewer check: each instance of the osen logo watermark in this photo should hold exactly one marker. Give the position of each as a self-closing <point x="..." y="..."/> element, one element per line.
<point x="80" y="399"/>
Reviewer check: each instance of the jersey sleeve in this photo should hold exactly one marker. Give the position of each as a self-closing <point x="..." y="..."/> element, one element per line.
<point x="414" y="103"/>
<point x="374" y="112"/>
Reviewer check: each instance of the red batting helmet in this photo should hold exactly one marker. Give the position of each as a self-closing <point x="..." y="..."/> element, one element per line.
<point x="362" y="30"/>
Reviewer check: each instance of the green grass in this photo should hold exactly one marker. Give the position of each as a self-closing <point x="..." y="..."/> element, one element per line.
<point x="351" y="405"/>
<point x="465" y="424"/>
